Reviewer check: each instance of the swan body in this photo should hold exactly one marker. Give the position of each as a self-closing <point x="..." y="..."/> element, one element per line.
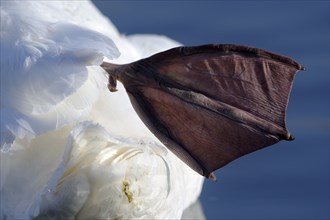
<point x="69" y="148"/>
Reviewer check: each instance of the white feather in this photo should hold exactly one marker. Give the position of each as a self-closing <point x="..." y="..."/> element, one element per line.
<point x="43" y="63"/>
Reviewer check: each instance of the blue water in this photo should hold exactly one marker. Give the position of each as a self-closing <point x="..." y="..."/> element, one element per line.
<point x="289" y="180"/>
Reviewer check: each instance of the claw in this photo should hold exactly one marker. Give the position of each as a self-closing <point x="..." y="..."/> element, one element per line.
<point x="112" y="86"/>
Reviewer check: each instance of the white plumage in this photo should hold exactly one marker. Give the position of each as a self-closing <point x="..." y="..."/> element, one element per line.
<point x="69" y="147"/>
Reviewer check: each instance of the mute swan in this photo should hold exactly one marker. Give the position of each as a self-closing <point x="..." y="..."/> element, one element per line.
<point x="88" y="152"/>
<point x="69" y="148"/>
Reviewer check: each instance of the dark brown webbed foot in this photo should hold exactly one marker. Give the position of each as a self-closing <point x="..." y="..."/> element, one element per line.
<point x="210" y="104"/>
